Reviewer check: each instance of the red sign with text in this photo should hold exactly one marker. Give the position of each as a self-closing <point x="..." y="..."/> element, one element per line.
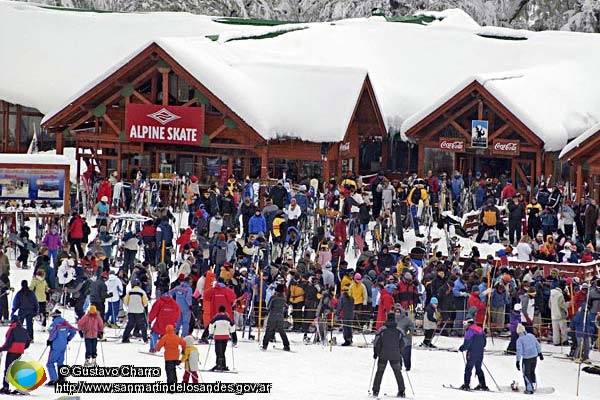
<point x="154" y="123"/>
<point x="451" y="144"/>
<point x="507" y="147"/>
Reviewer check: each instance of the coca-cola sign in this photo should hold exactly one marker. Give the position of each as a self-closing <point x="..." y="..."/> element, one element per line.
<point x="506" y="147"/>
<point x="452" y="144"/>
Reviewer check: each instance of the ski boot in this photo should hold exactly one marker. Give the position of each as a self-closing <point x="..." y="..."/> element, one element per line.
<point x="483" y="388"/>
<point x="464" y="386"/>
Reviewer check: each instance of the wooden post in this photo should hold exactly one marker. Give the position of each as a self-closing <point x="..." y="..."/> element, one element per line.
<point x="260" y="303"/>
<point x="579" y="184"/>
<point x="264" y="157"/>
<point x="165" y="87"/>
<point x="421" y="159"/>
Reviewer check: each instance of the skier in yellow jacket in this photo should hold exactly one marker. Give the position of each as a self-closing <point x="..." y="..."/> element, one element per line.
<point x="358" y="292"/>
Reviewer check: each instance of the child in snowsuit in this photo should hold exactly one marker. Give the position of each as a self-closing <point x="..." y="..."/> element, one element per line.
<point x="183" y="295"/>
<point x="474" y="345"/>
<point x="514" y="320"/>
<point x="61" y="333"/>
<point x="430" y="322"/>
<point x="91" y="327"/>
<point x="529" y="349"/>
<point x="221" y="327"/>
<point x="171" y="342"/>
<point x="190" y="360"/>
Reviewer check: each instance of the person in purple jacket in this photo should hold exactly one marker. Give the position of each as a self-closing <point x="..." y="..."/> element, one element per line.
<point x="53" y="242"/>
<point x="514" y="321"/>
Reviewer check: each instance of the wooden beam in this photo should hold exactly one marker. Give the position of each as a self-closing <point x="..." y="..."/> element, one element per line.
<point x="579" y="184"/>
<point x="498" y="132"/>
<point x="154" y="86"/>
<point x="80" y="121"/>
<point x="111" y="124"/>
<point x="141" y="97"/>
<point x="460" y="130"/>
<point x="165" y="88"/>
<point x="480" y="109"/>
<point x="457" y="114"/>
<point x="216" y="132"/>
<point x="190" y="102"/>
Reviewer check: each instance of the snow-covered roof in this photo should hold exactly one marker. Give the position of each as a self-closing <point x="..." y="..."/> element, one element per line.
<point x="35" y="159"/>
<point x="579" y="140"/>
<point x="547" y="79"/>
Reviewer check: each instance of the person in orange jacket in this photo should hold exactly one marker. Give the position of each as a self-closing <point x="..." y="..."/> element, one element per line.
<point x="475" y="301"/>
<point x="171" y="342"/>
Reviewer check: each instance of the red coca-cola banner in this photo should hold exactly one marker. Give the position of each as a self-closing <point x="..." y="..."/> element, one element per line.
<point x="506" y="147"/>
<point x="452" y="144"/>
<point x="164" y="124"/>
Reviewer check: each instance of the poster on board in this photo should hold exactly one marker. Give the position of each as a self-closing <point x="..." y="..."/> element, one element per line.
<point x="479" y="134"/>
<point x="32" y="184"/>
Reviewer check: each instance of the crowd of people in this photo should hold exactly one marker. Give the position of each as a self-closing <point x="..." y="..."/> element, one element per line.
<point x="235" y="264"/>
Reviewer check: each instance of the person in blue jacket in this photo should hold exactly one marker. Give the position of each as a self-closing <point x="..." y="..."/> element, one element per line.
<point x="183" y="296"/>
<point x="461" y="294"/>
<point x="257" y="223"/>
<point x="529" y="349"/>
<point x="474" y="344"/>
<point x="25" y="304"/>
<point x="584" y="326"/>
<point x="61" y="333"/>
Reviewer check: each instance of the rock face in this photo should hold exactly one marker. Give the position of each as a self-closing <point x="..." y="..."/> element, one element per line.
<point x="573" y="15"/>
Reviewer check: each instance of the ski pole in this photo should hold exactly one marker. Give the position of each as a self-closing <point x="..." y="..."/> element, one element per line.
<point x="232" y="356"/>
<point x="491" y="376"/>
<point x="102" y="350"/>
<point x="207" y="352"/>
<point x="409" y="383"/>
<point x="78" y="350"/>
<point x="371" y="378"/>
<point x="43" y="352"/>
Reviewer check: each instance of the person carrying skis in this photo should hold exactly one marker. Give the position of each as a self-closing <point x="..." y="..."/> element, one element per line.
<point x="136" y="302"/>
<point x="171" y="342"/>
<point x="91" y="328"/>
<point x="222" y="328"/>
<point x="387" y="346"/>
<point x="276" y="308"/>
<point x="61" y="333"/>
<point x="474" y="344"/>
<point x="17" y="340"/>
<point x="529" y="349"/>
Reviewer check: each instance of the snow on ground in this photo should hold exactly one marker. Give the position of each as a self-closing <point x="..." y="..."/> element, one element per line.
<point x="315" y="372"/>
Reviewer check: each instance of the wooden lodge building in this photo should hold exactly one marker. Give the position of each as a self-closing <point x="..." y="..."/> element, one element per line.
<point x="224" y="143"/>
<point x="220" y="96"/>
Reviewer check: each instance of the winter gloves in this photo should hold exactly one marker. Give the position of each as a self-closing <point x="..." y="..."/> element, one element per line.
<point x="541" y="356"/>
<point x="374" y="356"/>
<point x="48" y="343"/>
<point x="518" y="366"/>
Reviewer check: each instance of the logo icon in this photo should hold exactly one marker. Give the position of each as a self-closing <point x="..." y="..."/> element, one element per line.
<point x="163" y="116"/>
<point x="26" y="374"/>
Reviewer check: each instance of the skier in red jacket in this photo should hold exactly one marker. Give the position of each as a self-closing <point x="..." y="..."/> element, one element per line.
<point x="166" y="312"/>
<point x="218" y="296"/>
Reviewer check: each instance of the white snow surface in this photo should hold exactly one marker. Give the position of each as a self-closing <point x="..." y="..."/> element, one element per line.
<point x="556" y="92"/>
<point x="315" y="372"/>
<point x="35" y="159"/>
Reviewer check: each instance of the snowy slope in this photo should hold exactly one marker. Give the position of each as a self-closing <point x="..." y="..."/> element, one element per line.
<point x="315" y="372"/>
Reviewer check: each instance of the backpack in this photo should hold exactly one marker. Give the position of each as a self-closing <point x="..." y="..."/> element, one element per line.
<point x="489" y="217"/>
<point x="415" y="196"/>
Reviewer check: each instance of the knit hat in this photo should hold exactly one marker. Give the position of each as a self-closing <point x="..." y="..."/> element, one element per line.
<point x="520" y="329"/>
<point x="391" y="318"/>
<point x="181" y="277"/>
<point x="433" y="300"/>
<point x="189" y="340"/>
<point x="105" y="274"/>
<point x="390" y="288"/>
<point x="55" y="313"/>
<point x="279" y="288"/>
<point x="475" y="289"/>
<point x="92" y="309"/>
<point x="372" y="274"/>
<point x="24" y="284"/>
<point x="357" y="276"/>
<point x="518" y="307"/>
